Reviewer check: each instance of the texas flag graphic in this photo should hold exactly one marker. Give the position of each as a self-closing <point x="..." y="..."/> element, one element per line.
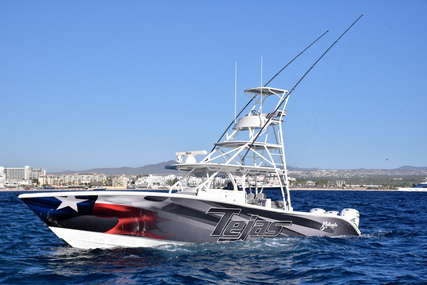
<point x="85" y="213"/>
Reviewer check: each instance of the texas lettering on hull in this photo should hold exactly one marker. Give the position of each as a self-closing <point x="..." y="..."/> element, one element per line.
<point x="228" y="229"/>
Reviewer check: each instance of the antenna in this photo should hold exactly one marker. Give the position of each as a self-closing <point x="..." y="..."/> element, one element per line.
<point x="261" y="70"/>
<point x="235" y="91"/>
<point x="261" y="85"/>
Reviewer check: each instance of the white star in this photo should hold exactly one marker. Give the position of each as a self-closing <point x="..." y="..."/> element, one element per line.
<point x="69" y="201"/>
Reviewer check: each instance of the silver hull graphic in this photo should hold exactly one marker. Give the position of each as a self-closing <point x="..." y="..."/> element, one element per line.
<point x="146" y="219"/>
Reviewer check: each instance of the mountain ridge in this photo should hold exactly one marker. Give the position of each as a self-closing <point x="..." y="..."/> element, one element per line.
<point x="159" y="169"/>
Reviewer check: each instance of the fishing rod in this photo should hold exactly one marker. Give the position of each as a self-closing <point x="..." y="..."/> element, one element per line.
<point x="270" y="116"/>
<point x="250" y="101"/>
<point x="295" y="58"/>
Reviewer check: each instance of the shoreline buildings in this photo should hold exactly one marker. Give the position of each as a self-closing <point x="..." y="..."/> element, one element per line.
<point x="26" y="177"/>
<point x="75" y="179"/>
<point x="16" y="177"/>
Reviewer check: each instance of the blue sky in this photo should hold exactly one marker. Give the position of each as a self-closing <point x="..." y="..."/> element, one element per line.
<point x="88" y="84"/>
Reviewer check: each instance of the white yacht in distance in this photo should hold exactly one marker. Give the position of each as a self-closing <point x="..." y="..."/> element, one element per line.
<point x="422" y="187"/>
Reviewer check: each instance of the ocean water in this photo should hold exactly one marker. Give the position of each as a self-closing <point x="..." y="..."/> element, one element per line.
<point x="391" y="250"/>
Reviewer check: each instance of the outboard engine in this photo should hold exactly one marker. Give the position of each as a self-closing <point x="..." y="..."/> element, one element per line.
<point x="318" y="211"/>
<point x="352" y="215"/>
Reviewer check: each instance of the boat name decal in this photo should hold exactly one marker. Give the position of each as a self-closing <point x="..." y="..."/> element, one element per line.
<point x="231" y="230"/>
<point x="327" y="224"/>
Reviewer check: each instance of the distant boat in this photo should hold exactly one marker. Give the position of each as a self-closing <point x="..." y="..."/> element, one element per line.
<point x="422" y="187"/>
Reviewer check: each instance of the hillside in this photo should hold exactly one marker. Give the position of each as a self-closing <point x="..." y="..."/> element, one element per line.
<point x="158" y="168"/>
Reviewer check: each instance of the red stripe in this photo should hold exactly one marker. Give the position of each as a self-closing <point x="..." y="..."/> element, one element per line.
<point x="132" y="221"/>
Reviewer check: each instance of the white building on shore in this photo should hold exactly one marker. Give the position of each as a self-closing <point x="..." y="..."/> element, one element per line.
<point x="15" y="177"/>
<point x="76" y="179"/>
<point x="49" y="179"/>
<point x="82" y="179"/>
<point x="119" y="181"/>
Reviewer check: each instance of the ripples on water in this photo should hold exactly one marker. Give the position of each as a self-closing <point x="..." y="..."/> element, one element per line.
<point x="392" y="249"/>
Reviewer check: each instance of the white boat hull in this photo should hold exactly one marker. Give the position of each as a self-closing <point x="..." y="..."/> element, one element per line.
<point x="91" y="240"/>
<point x="413" y="189"/>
